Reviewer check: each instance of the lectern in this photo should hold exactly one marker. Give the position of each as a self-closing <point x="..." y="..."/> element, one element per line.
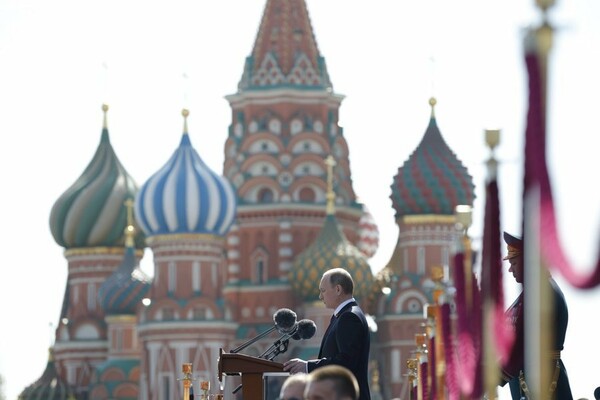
<point x="252" y="370"/>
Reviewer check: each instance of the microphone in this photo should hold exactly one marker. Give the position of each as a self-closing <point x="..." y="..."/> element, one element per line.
<point x="303" y="329"/>
<point x="306" y="329"/>
<point x="285" y="321"/>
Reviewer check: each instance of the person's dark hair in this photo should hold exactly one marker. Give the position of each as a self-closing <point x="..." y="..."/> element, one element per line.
<point x="339" y="276"/>
<point x="597" y="393"/>
<point x="344" y="381"/>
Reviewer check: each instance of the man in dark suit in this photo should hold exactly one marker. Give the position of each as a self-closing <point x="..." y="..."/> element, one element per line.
<point x="513" y="370"/>
<point x="346" y="341"/>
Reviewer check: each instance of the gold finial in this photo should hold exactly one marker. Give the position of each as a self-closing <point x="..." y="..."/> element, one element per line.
<point x="492" y="139"/>
<point x="185" y="112"/>
<point x="129" y="229"/>
<point x="104" y="110"/>
<point x="185" y="85"/>
<point x="464" y="217"/>
<point x="437" y="276"/>
<point x="437" y="273"/>
<point x="432" y="103"/>
<point x="544" y="5"/>
<point x="330" y="163"/>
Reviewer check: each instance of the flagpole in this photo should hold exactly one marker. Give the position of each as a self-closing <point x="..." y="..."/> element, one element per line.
<point x="537" y="300"/>
<point x="489" y="264"/>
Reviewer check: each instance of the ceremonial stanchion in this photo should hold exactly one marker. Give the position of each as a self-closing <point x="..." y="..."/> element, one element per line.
<point x="491" y="275"/>
<point x="186" y="368"/>
<point x="422" y="362"/>
<point x="438" y="369"/>
<point x="467" y="366"/>
<point x="412" y="365"/>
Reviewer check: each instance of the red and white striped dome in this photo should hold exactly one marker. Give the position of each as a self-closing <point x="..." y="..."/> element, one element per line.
<point x="368" y="242"/>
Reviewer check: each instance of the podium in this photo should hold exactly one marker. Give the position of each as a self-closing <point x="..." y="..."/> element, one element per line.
<point x="252" y="370"/>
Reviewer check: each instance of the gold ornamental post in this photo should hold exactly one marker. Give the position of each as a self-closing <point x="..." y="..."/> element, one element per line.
<point x="186" y="368"/>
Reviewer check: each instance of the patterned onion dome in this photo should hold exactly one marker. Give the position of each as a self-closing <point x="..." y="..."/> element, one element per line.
<point x="49" y="386"/>
<point x="433" y="180"/>
<point x="124" y="289"/>
<point x="91" y="213"/>
<point x="331" y="249"/>
<point x="368" y="234"/>
<point x="185" y="196"/>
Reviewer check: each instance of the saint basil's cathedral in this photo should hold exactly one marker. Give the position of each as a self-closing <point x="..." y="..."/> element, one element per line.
<point x="232" y="248"/>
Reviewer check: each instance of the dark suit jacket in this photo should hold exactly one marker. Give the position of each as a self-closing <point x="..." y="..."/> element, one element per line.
<point x="516" y="362"/>
<point x="347" y="342"/>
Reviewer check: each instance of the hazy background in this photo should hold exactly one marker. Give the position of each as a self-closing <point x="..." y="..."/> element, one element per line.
<point x="60" y="60"/>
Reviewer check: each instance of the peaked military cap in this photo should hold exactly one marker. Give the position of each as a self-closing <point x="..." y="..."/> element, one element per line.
<point x="514" y="246"/>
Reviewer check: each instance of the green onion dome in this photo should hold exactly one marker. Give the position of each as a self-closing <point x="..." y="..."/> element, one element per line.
<point x="91" y="213"/>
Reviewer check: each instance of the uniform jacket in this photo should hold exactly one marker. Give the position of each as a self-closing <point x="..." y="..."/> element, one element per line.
<point x="516" y="362"/>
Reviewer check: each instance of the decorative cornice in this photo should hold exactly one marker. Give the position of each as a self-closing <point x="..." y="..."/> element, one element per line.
<point x="427" y="219"/>
<point x="85" y="251"/>
<point x="278" y="96"/>
<point x="169" y="238"/>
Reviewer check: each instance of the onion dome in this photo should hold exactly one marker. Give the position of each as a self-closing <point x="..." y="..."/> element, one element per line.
<point x="185" y="196"/>
<point x="368" y="234"/>
<point x="433" y="180"/>
<point x="91" y="213"/>
<point x="124" y="289"/>
<point x="50" y="386"/>
<point x="331" y="249"/>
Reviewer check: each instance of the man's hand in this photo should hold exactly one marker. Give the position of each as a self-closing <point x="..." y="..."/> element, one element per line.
<point x="295" y="365"/>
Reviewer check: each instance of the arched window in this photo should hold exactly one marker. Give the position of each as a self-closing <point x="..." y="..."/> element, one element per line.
<point x="260" y="270"/>
<point x="265" y="196"/>
<point x="260" y="263"/>
<point x="306" y="195"/>
<point x="296" y="127"/>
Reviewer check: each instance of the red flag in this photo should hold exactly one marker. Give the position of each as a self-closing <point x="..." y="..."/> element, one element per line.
<point x="536" y="174"/>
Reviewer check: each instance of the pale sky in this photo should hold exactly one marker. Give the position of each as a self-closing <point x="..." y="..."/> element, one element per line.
<point x="60" y="60"/>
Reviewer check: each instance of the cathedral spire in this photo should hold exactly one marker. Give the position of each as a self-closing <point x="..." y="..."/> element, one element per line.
<point x="285" y="51"/>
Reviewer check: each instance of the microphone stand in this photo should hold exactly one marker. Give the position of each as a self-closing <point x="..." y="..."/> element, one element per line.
<point x="282" y="347"/>
<point x="253" y="340"/>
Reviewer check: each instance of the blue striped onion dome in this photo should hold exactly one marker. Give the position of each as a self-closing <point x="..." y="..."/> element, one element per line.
<point x="185" y="196"/>
<point x="122" y="292"/>
<point x="49" y="386"/>
<point x="331" y="249"/>
<point x="433" y="180"/>
<point x="91" y="213"/>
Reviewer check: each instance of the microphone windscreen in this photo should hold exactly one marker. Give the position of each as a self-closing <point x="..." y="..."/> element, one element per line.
<point x="285" y="320"/>
<point x="306" y="329"/>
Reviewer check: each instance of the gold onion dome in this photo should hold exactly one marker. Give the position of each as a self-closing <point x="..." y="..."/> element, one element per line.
<point x="331" y="249"/>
